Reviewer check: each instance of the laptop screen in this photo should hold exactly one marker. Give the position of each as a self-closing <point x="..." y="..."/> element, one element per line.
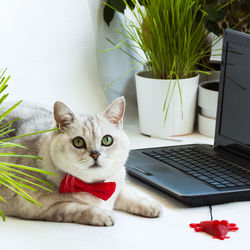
<point x="233" y="114"/>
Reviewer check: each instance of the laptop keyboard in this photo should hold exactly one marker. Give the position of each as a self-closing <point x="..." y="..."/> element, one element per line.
<point x="206" y="167"/>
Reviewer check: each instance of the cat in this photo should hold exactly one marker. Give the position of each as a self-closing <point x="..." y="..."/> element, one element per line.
<point x="92" y="148"/>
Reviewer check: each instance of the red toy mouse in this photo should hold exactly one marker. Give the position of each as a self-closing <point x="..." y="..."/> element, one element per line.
<point x="218" y="229"/>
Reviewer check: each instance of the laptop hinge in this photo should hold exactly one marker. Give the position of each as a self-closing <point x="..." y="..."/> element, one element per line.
<point x="235" y="149"/>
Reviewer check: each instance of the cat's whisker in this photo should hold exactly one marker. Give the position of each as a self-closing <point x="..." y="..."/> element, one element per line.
<point x="69" y="184"/>
<point x="72" y="183"/>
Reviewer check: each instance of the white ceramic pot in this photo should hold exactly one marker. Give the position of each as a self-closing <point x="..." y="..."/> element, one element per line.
<point x="151" y="94"/>
<point x="207" y="101"/>
<point x="206" y="126"/>
<point x="208" y="98"/>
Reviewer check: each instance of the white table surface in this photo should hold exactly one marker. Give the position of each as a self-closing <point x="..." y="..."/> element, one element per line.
<point x="170" y="231"/>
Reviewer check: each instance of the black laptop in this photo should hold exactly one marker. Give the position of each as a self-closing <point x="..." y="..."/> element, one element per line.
<point x="199" y="174"/>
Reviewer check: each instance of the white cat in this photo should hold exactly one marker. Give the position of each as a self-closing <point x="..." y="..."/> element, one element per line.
<point x="85" y="148"/>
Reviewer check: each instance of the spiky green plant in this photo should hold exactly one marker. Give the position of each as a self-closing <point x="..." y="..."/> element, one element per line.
<point x="170" y="34"/>
<point x="12" y="175"/>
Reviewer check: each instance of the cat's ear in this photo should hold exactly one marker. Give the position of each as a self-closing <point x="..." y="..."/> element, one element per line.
<point x="63" y="115"/>
<point x="115" y="112"/>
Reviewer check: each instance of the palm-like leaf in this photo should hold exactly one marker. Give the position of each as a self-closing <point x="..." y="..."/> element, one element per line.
<point x="12" y="175"/>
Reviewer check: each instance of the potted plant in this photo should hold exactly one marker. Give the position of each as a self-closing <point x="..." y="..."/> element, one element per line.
<point x="221" y="15"/>
<point x="171" y="36"/>
<point x="224" y="14"/>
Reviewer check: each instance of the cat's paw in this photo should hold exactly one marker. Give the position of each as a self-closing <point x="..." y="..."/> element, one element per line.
<point x="98" y="217"/>
<point x="146" y="208"/>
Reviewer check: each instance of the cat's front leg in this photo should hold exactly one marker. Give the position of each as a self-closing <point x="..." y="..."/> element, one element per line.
<point x="79" y="213"/>
<point x="59" y="208"/>
<point x="128" y="201"/>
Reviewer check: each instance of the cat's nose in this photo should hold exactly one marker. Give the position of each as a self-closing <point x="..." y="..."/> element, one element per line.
<point x="95" y="154"/>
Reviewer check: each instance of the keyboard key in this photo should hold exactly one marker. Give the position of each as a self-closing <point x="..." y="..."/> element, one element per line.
<point x="196" y="174"/>
<point x="231" y="179"/>
<point x="191" y="172"/>
<point x="218" y="179"/>
<point x="225" y="182"/>
<point x="183" y="168"/>
<point x="221" y="174"/>
<point x="208" y="174"/>
<point x="230" y="185"/>
<point x="215" y="183"/>
<point x="241" y="179"/>
<point x="202" y="171"/>
<point x="204" y="178"/>
<point x="240" y="184"/>
<point x="220" y="186"/>
<point x="173" y="158"/>
<point x="210" y="181"/>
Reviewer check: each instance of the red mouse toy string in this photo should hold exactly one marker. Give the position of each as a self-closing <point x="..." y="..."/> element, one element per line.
<point x="211" y="212"/>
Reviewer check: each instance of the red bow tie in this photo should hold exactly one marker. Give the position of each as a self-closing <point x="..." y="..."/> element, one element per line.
<point x="71" y="184"/>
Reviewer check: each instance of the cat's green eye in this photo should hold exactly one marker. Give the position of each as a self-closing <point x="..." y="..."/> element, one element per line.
<point x="107" y="140"/>
<point x="79" y="142"/>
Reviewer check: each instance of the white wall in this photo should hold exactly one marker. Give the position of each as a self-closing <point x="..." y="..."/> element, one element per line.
<point x="49" y="48"/>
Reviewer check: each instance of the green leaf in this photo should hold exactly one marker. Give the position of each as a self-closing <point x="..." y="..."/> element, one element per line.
<point x="6" y="132"/>
<point x="20" y="184"/>
<point x="35" y="133"/>
<point x="110" y="84"/>
<point x="23" y="156"/>
<point x="11" y="144"/>
<point x="169" y="102"/>
<point x="108" y="14"/>
<point x="2" y="74"/>
<point x="16" y="188"/>
<point x="214" y="28"/>
<point x="25" y="174"/>
<point x="2" y="199"/>
<point x="131" y="4"/>
<point x="144" y="2"/>
<point x="179" y="87"/>
<point x="3" y="98"/>
<point x="12" y="121"/>
<point x="119" y="5"/>
<point x="214" y="14"/>
<point x="111" y="6"/>
<point x="30" y="182"/>
<point x="116" y="46"/>
<point x="4" y="84"/>
<point x="4" y="129"/>
<point x="26" y="168"/>
<point x="2" y="215"/>
<point x="9" y="110"/>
